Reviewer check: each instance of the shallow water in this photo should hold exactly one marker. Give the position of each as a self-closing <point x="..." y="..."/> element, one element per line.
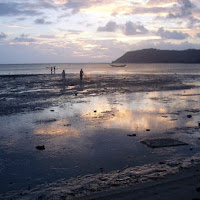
<point x="85" y="125"/>
<point x="100" y="68"/>
<point x="88" y="135"/>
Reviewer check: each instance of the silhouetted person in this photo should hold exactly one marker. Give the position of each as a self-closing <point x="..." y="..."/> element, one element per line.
<point x="63" y="75"/>
<point x="54" y="69"/>
<point x="51" y="70"/>
<point x="81" y="74"/>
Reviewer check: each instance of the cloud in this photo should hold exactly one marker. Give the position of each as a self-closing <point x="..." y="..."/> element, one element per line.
<point x="76" y="5"/>
<point x="164" y="45"/>
<point x="185" y="12"/>
<point x="42" y="21"/>
<point x="24" y="38"/>
<point x="129" y="28"/>
<point x="15" y="9"/>
<point x="3" y="35"/>
<point x="198" y="35"/>
<point x="109" y="27"/>
<point x="152" y="10"/>
<point x="47" y="36"/>
<point x="18" y="26"/>
<point x="160" y="2"/>
<point x="175" y="35"/>
<point x="21" y="18"/>
<point x="134" y="29"/>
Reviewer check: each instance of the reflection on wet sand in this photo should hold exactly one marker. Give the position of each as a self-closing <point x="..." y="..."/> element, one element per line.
<point x="89" y="134"/>
<point x="137" y="121"/>
<point x="135" y="115"/>
<point x="158" y="111"/>
<point x="61" y="127"/>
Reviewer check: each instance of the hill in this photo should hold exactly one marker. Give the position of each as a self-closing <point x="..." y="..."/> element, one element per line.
<point x="160" y="56"/>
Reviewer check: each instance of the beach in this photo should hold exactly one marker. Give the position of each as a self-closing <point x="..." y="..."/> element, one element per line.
<point x="109" y="136"/>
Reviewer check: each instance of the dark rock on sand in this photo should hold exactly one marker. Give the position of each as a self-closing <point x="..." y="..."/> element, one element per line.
<point x="162" y="142"/>
<point x="189" y="116"/>
<point x="46" y="121"/>
<point x="67" y="125"/>
<point x="148" y="129"/>
<point x="42" y="147"/>
<point x="131" y="135"/>
<point x="101" y="169"/>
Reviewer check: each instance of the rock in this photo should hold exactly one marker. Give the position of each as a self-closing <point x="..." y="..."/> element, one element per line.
<point x="191" y="149"/>
<point x="173" y="164"/>
<point x="147" y="129"/>
<point x="41" y="197"/>
<point x="67" y="125"/>
<point x="198" y="189"/>
<point x="131" y="135"/>
<point x="101" y="169"/>
<point x="114" y="184"/>
<point x="199" y="124"/>
<point x="189" y="116"/>
<point x="95" y="111"/>
<point x="46" y="121"/>
<point x="162" y="142"/>
<point x="103" y="179"/>
<point x="161" y="163"/>
<point x="52" y="110"/>
<point x="121" y="170"/>
<point x="40" y="147"/>
<point x="63" y="197"/>
<point x="71" y="194"/>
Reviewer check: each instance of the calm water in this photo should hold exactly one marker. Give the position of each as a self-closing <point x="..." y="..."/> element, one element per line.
<point x="100" y="68"/>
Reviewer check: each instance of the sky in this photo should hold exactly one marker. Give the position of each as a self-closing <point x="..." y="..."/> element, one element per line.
<point x="75" y="31"/>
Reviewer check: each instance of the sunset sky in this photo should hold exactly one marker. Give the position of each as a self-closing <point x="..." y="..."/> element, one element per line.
<point x="71" y="31"/>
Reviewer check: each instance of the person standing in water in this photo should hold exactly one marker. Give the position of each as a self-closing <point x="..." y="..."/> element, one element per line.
<point x="54" y="69"/>
<point x="51" y="70"/>
<point x="63" y="75"/>
<point x="81" y="74"/>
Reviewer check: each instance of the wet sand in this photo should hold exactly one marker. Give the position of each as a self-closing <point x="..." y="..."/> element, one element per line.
<point x="92" y="132"/>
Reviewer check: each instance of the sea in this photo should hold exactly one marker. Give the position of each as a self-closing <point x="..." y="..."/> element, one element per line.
<point x="99" y="68"/>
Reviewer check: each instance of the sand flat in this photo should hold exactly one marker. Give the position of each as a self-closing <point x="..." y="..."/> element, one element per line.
<point x="85" y="157"/>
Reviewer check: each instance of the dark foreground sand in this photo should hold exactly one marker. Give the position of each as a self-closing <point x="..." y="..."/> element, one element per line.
<point x="137" y="173"/>
<point x="184" y="185"/>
